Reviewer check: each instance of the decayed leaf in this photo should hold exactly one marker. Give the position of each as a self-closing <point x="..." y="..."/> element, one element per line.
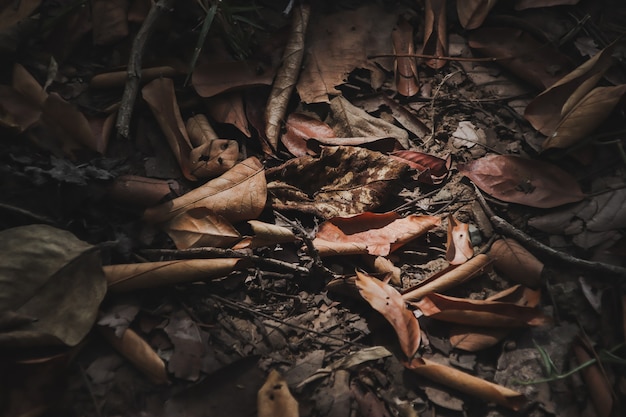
<point x="484" y="312"/>
<point x="585" y="117"/>
<point x="458" y="246"/>
<point x="405" y="68"/>
<point x="138" y="352"/>
<point x="449" y="277"/>
<point x="239" y="194"/>
<point x="479" y="388"/>
<point x="199" y="227"/>
<point x="432" y="170"/>
<point x="52" y="278"/>
<point x="435" y="32"/>
<point x="129" y="277"/>
<point x="12" y="13"/>
<point x="342" y="181"/>
<point x="265" y="234"/>
<point x="472" y="13"/>
<point x="599" y="387"/>
<point x="519" y="180"/>
<point x="387" y="301"/>
<point x="228" y="108"/>
<point x="140" y="191"/>
<point x="211" y="156"/>
<point x="212" y="78"/>
<point x="547" y="109"/>
<point x="516" y="263"/>
<point x="372" y="233"/>
<point x="300" y="128"/>
<point x="274" y="398"/>
<point x="287" y="75"/>
<point x="161" y="97"/>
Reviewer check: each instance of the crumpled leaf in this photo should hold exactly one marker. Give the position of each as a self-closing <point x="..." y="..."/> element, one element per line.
<point x="435" y="32"/>
<point x="186" y="359"/>
<point x="387" y="301"/>
<point x="458" y="246"/>
<point x="516" y="263"/>
<point x="299" y="128"/>
<point x="405" y="68"/>
<point x="432" y="169"/>
<point x="472" y="13"/>
<point x="341" y="181"/>
<point x="519" y="180"/>
<point x="129" y="277"/>
<point x="467" y="135"/>
<point x="52" y="278"/>
<point x="372" y="233"/>
<point x="287" y="74"/>
<point x="199" y="227"/>
<point x="239" y="194"/>
<point x="274" y="398"/>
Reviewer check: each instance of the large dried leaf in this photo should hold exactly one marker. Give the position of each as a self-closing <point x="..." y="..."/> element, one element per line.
<point x="342" y="181"/>
<point x="405" y="68"/>
<point x="539" y="64"/>
<point x="67" y="124"/>
<point x="479" y="388"/>
<point x="480" y="312"/>
<point x="458" y="245"/>
<point x="274" y="398"/>
<point x="335" y="48"/>
<point x="472" y="13"/>
<point x="432" y="169"/>
<point x="585" y="117"/>
<point x="299" y="128"/>
<point x="519" y="180"/>
<point x="198" y="227"/>
<point x="435" y="32"/>
<point x="449" y="277"/>
<point x="239" y="194"/>
<point x="548" y="108"/>
<point x="228" y="108"/>
<point x="212" y="78"/>
<point x="17" y="112"/>
<point x="516" y="263"/>
<point x="12" y="13"/>
<point x="287" y="75"/>
<point x="129" y="277"/>
<point x="372" y="233"/>
<point x="140" y="191"/>
<point x="53" y="281"/>
<point x="387" y="301"/>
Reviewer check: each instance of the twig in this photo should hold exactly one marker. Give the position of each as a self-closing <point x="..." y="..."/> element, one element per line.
<point x="207" y="252"/>
<point x="127" y="104"/>
<point x="532" y="244"/>
<point x="25" y="213"/>
<point x="432" y="104"/>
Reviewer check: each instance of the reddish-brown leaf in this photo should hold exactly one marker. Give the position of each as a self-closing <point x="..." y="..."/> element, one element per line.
<point x="300" y="128"/>
<point x="472" y="13"/>
<point x="212" y="78"/>
<point x="516" y="263"/>
<point x="435" y="32"/>
<point x="458" y="246"/>
<point x="406" y="75"/>
<point x="432" y="169"/>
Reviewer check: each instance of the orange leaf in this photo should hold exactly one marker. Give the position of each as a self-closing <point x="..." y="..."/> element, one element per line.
<point x="433" y="170"/>
<point x="458" y="246"/>
<point x="387" y="301"/>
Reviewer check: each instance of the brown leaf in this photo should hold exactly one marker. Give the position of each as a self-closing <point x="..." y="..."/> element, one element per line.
<point x="599" y="387"/>
<point x="116" y="79"/>
<point x="516" y="263"/>
<point x="472" y="13"/>
<point x="101" y="127"/>
<point x="342" y="181"/>
<point x="138" y="352"/>
<point x="210" y="156"/>
<point x="372" y="233"/>
<point x="274" y="398"/>
<point x="110" y="23"/>
<point x="387" y="301"/>
<point x="540" y="64"/>
<point x="458" y="246"/>
<point x="265" y="234"/>
<point x="161" y="98"/>
<point x="239" y="194"/>
<point x="67" y="124"/>
<point x="585" y="117"/>
<point x="435" y="32"/>
<point x="228" y="108"/>
<point x="519" y="180"/>
<point x="378" y="144"/>
<point x="299" y="128"/>
<point x="287" y="75"/>
<point x="480" y="312"/>
<point x="432" y="169"/>
<point x="140" y="191"/>
<point x="16" y="111"/>
<point x="405" y="68"/>
<point x="449" y="277"/>
<point x="461" y="381"/>
<point x="12" y="13"/>
<point x="129" y="277"/>
<point x="530" y="4"/>
<point x="199" y="227"/>
<point x="212" y="78"/>
<point x="382" y="265"/>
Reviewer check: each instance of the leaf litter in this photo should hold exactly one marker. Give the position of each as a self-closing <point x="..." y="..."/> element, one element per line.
<point x="268" y="240"/>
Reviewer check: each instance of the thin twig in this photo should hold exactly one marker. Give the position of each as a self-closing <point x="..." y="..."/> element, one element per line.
<point x="443" y="58"/>
<point x="509" y="230"/>
<point x="131" y="89"/>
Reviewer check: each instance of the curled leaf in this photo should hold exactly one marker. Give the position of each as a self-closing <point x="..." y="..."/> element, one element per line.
<point x="406" y="75"/>
<point x="435" y="32"/>
<point x="199" y="227"/>
<point x="458" y="246"/>
<point x="472" y="13"/>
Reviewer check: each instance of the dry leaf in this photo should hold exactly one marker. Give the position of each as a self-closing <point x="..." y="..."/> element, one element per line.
<point x="12" y="13"/>
<point x="299" y="128"/>
<point x="382" y="265"/>
<point x="212" y="78"/>
<point x="199" y="227"/>
<point x="405" y="68"/>
<point x="387" y="301"/>
<point x="372" y="233"/>
<point x="529" y="4"/>
<point x="129" y="277"/>
<point x="472" y="13"/>
<point x="115" y="79"/>
<point x="210" y="156"/>
<point x="101" y="127"/>
<point x="265" y="234"/>
<point x="239" y="194"/>
<point x="599" y="387"/>
<point x="138" y="352"/>
<point x="516" y="263"/>
<point x="110" y="23"/>
<point x="435" y="32"/>
<point x="228" y="108"/>
<point x="458" y="246"/>
<point x="287" y="75"/>
<point x="524" y="181"/>
<point x="449" y="277"/>
<point x="141" y="191"/>
<point x="432" y="169"/>
<point x="274" y="398"/>
<point x="16" y="111"/>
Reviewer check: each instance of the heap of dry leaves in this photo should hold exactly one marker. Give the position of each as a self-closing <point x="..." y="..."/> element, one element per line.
<point x="328" y="209"/>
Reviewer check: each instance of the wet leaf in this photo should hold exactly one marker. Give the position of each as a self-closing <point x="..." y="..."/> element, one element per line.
<point x="432" y="169"/>
<point x="52" y="278"/>
<point x="299" y="128"/>
<point x="274" y="398"/>
<point x="387" y="301"/>
<point x="516" y="263"/>
<point x="371" y="233"/>
<point x="239" y="194"/>
<point x="199" y="227"/>
<point x="435" y="32"/>
<point x="212" y="78"/>
<point x="129" y="277"/>
<point x="524" y="181"/>
<point x="458" y="246"/>
<point x="287" y="75"/>
<point x="405" y="68"/>
<point x="472" y="13"/>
